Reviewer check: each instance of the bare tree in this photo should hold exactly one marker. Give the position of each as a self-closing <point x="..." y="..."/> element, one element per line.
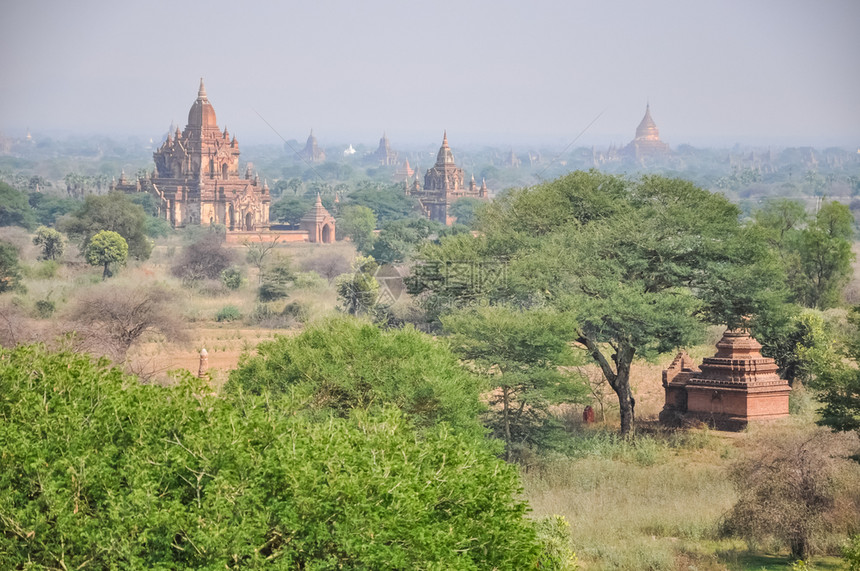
<point x="109" y="319"/>
<point x="258" y="251"/>
<point x="789" y="488"/>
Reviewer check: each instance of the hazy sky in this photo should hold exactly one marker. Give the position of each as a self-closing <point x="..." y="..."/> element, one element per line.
<point x="497" y="72"/>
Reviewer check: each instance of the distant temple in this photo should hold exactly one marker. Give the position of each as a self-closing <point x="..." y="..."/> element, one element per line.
<point x="647" y="143"/>
<point x="319" y="224"/>
<point x="312" y="153"/>
<point x="384" y="155"/>
<point x="444" y="184"/>
<point x="196" y="178"/>
<point x="729" y="390"/>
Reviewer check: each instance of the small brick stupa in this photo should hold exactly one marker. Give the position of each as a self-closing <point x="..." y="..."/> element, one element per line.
<point x="729" y="390"/>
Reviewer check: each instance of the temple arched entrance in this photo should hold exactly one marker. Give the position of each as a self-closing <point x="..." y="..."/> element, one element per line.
<point x="327" y="234"/>
<point x="231" y="217"/>
<point x="249" y="221"/>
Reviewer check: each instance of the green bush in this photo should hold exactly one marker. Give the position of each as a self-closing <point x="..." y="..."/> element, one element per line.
<point x="103" y="472"/>
<point x="45" y="308"/>
<point x="232" y="278"/>
<point x="228" y="313"/>
<point x="345" y="363"/>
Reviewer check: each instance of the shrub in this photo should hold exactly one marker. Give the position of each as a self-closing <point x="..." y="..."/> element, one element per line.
<point x="232" y="278"/>
<point x="228" y="313"/>
<point x="553" y="533"/>
<point x="851" y="553"/>
<point x="344" y="363"/>
<point x="328" y="265"/>
<point x="276" y="280"/>
<point x="788" y="488"/>
<point x="51" y="242"/>
<point x="204" y="259"/>
<point x="10" y="271"/>
<point x="45" y="308"/>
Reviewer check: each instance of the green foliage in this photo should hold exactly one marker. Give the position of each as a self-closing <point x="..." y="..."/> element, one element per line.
<point x="47" y="208"/>
<point x="357" y="223"/>
<point x="10" y="270"/>
<point x="45" y="308"/>
<point x="398" y="239"/>
<point x="553" y="533"/>
<point x="851" y="553"/>
<point x="106" y="248"/>
<point x="276" y="280"/>
<point x="228" y="313"/>
<point x="838" y="382"/>
<point x="464" y="210"/>
<point x="51" y="242"/>
<point x="114" y="212"/>
<point x="387" y="203"/>
<point x="205" y="258"/>
<point x="824" y="250"/>
<point x="359" y="291"/>
<point x="290" y="209"/>
<point x="800" y="340"/>
<point x="102" y="471"/>
<point x="815" y="255"/>
<point x="343" y="364"/>
<point x="232" y="278"/>
<point x="157" y="227"/>
<point x="519" y="353"/>
<point x="14" y="208"/>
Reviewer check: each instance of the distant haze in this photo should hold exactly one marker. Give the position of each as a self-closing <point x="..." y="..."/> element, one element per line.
<point x="499" y="73"/>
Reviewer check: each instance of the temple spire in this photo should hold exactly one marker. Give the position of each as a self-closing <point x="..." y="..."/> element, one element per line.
<point x="201" y="93"/>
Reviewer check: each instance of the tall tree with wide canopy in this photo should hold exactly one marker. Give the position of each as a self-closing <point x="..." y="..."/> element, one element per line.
<point x="641" y="265"/>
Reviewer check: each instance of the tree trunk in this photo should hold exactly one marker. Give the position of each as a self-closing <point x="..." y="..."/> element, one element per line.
<point x="618" y="378"/>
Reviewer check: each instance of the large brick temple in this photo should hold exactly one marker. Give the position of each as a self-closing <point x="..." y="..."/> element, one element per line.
<point x="647" y="143"/>
<point x="729" y="390"/>
<point x="444" y="183"/>
<point x="197" y="180"/>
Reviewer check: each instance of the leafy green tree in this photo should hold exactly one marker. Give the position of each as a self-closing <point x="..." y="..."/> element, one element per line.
<point x="290" y="209"/>
<point x="344" y="363"/>
<point x="640" y="265"/>
<point x="838" y="382"/>
<point x="825" y="254"/>
<point x="398" y="239"/>
<point x="14" y="208"/>
<point x="387" y="202"/>
<point x="464" y="209"/>
<point x="51" y="242"/>
<point x="47" y="208"/>
<point x="357" y="223"/>
<point x="10" y="270"/>
<point x="277" y="279"/>
<point x="106" y="248"/>
<point x="105" y="472"/>
<point x="519" y="353"/>
<point x="114" y="212"/>
<point x="359" y="291"/>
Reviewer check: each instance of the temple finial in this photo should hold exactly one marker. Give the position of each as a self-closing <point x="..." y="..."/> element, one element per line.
<point x="201" y="93"/>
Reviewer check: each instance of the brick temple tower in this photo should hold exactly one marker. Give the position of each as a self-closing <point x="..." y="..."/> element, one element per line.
<point x="443" y="184"/>
<point x="197" y="180"/>
<point x="319" y="224"/>
<point x="729" y="390"/>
